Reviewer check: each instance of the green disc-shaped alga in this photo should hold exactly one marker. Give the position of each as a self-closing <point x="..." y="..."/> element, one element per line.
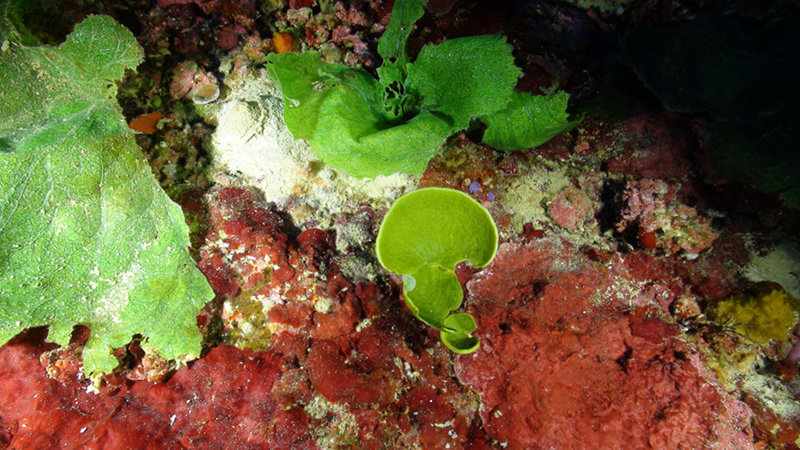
<point x="424" y="235"/>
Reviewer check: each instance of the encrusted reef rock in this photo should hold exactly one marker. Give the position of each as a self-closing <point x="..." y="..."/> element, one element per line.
<point x="557" y="368"/>
<point x="629" y="305"/>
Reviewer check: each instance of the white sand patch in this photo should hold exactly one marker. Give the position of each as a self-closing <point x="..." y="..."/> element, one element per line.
<point x="252" y="147"/>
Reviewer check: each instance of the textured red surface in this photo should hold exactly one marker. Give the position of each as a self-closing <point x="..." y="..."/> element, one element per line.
<point x="577" y="350"/>
<point x="222" y="399"/>
<point x="555" y="370"/>
<point x="331" y="376"/>
<point x="652" y="148"/>
<point x="246" y="233"/>
<point x="571" y="208"/>
<point x="713" y="274"/>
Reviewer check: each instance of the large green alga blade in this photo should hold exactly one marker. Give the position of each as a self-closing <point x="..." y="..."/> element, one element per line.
<point x="87" y="236"/>
<point x="350" y="137"/>
<point x="465" y="77"/>
<point x="337" y="108"/>
<point x="528" y="121"/>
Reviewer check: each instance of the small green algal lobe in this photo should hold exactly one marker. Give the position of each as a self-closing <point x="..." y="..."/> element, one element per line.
<point x="87" y="236"/>
<point x="424" y="235"/>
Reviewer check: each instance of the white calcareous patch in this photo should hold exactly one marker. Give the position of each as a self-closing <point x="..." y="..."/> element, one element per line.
<point x="116" y="294"/>
<point x="781" y="264"/>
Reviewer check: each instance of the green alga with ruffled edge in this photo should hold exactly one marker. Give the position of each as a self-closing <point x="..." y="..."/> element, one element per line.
<point x="87" y="236"/>
<point x="395" y="123"/>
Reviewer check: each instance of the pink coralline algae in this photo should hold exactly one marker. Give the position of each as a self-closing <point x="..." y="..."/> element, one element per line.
<point x="351" y="15"/>
<point x="185" y="411"/>
<point x="197" y="26"/>
<point x="188" y="78"/>
<point x="650" y="148"/>
<point x="243" y="243"/>
<point x="664" y="222"/>
<point x="714" y="274"/>
<point x="343" y="35"/>
<point x="362" y="370"/>
<point x="571" y="208"/>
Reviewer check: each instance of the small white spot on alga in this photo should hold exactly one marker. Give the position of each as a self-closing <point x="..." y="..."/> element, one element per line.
<point x="409" y="282"/>
<point x="172" y="419"/>
<point x="83" y="430"/>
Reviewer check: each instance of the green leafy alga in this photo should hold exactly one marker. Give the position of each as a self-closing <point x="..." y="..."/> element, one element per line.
<point x="423" y="236"/>
<point x="368" y="127"/>
<point x="87" y="236"/>
<point x="528" y="121"/>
